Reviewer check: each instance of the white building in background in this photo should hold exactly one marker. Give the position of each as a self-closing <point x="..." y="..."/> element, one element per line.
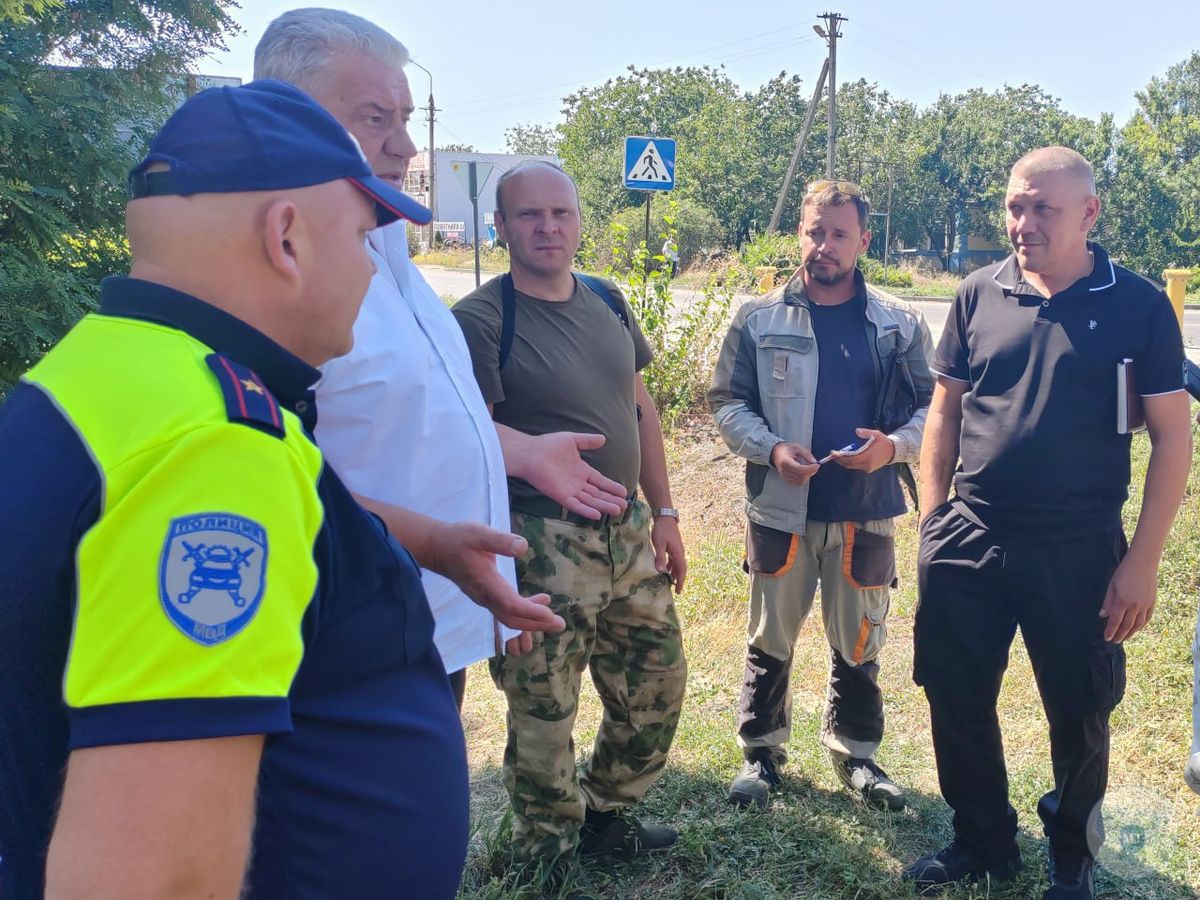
<point x="452" y="204"/>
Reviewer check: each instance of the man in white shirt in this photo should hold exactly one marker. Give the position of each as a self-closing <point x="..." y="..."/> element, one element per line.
<point x="401" y="417"/>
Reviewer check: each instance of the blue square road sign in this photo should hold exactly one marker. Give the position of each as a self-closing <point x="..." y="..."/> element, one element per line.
<point x="649" y="163"/>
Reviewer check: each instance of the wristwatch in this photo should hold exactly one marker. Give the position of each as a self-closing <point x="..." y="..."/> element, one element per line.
<point x="667" y="511"/>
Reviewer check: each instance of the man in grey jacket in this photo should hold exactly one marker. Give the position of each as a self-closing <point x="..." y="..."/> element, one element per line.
<point x="797" y="393"/>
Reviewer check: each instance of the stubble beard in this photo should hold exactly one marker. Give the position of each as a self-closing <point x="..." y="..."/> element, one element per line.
<point x="827" y="279"/>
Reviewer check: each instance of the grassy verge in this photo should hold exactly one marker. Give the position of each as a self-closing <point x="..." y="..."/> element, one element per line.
<point x="490" y="259"/>
<point x="816" y="841"/>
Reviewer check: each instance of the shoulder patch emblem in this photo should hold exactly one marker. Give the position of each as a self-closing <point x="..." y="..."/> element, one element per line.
<point x="247" y="399"/>
<point x="212" y="575"/>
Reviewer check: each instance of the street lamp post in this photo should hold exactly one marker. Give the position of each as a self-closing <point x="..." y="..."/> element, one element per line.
<point x="432" y="168"/>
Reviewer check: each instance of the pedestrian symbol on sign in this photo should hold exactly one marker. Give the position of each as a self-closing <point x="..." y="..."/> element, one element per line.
<point x="649" y="166"/>
<point x="649" y="163"/>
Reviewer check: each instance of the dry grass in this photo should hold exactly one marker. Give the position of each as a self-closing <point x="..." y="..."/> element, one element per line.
<point x="815" y="840"/>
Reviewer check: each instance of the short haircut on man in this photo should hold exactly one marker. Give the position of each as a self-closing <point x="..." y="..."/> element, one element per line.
<point x="299" y="45"/>
<point x="838" y="193"/>
<point x="1048" y="160"/>
<point x="525" y="166"/>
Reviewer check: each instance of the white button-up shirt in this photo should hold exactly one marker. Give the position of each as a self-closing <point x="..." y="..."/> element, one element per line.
<point x="401" y="420"/>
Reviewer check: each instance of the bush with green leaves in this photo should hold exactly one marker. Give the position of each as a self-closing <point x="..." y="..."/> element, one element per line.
<point x="781" y="251"/>
<point x="83" y="85"/>
<point x="685" y="337"/>
<point x="875" y="273"/>
<point x="695" y="229"/>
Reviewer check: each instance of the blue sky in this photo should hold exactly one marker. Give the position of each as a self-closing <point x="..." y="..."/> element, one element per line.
<point x="493" y="69"/>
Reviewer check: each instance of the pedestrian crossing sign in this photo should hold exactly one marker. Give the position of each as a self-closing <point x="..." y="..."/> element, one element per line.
<point x="649" y="163"/>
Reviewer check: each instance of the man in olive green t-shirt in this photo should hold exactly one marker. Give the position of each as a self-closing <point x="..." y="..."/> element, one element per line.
<point x="573" y="365"/>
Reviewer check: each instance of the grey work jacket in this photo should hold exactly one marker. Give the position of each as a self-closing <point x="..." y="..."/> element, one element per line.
<point x="765" y="382"/>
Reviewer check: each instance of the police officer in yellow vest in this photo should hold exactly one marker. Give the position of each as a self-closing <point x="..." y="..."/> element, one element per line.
<point x="207" y="643"/>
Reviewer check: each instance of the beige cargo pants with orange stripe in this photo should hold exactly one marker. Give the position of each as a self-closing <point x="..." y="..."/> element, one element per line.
<point x="854" y="566"/>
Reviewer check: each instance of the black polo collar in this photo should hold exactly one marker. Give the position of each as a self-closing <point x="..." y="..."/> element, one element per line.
<point x="1103" y="275"/>
<point x="287" y="376"/>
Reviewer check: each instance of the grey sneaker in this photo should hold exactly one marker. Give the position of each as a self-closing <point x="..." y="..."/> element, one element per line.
<point x="759" y="776"/>
<point x="865" y="778"/>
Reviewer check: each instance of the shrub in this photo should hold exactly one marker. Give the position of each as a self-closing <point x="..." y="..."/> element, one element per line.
<point x="685" y="340"/>
<point x="778" y="250"/>
<point x="39" y="302"/>
<point x="695" y="228"/>
<point x="873" y="271"/>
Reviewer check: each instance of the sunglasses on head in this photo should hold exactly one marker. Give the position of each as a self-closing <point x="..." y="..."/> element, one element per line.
<point x="846" y="187"/>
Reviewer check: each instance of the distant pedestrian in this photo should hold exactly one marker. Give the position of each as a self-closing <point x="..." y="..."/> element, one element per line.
<point x="670" y="253"/>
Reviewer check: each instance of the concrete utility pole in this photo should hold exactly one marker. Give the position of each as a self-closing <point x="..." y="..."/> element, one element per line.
<point x="831" y="34"/>
<point x="430" y="112"/>
<point x="801" y="140"/>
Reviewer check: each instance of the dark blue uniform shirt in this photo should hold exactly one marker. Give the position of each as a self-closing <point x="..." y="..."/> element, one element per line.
<point x="362" y="790"/>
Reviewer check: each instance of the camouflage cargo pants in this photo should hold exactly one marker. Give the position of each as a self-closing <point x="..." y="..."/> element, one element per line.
<point x="621" y="624"/>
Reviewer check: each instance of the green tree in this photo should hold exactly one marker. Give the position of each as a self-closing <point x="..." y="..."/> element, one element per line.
<point x="82" y="87"/>
<point x="22" y="10"/>
<point x="722" y="163"/>
<point x="458" y="148"/>
<point x="971" y="140"/>
<point x="532" y="140"/>
<point x="1152" y="215"/>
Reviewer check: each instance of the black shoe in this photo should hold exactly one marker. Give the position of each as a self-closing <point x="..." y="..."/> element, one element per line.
<point x="1072" y="877"/>
<point x="865" y="778"/>
<point x="759" y="776"/>
<point x="952" y="864"/>
<point x="620" y="833"/>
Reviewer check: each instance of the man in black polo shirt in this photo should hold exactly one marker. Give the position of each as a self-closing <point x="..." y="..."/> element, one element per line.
<point x="1027" y="395"/>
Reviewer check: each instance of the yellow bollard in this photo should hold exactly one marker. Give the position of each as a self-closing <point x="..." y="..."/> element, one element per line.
<point x="766" y="278"/>
<point x="1177" y="280"/>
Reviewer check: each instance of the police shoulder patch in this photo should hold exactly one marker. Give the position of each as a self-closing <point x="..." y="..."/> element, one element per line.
<point x="212" y="574"/>
<point x="247" y="399"/>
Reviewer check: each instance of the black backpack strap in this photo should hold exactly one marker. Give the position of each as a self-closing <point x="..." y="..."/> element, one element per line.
<point x="606" y="294"/>
<point x="508" y="308"/>
<point x="508" y="316"/>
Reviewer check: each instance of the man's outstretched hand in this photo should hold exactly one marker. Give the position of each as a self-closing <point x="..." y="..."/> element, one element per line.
<point x="552" y="464"/>
<point x="465" y="552"/>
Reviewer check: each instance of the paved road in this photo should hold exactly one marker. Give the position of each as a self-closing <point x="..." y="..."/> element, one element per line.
<point x="459" y="283"/>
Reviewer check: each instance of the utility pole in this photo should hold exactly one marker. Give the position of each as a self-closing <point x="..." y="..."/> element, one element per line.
<point x="831" y="34"/>
<point x="431" y="114"/>
<point x="801" y="140"/>
<point x="889" y="166"/>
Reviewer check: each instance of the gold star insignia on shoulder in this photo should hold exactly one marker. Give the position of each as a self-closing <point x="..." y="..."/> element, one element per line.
<point x="251" y="385"/>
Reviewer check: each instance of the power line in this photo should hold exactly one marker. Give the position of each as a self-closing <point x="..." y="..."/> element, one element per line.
<point x="461" y="113"/>
<point x="577" y="85"/>
<point x="924" y="51"/>
<point x="900" y="59"/>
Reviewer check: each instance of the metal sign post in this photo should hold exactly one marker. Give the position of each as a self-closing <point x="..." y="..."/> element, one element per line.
<point x="649" y="167"/>
<point x="474" y="190"/>
<point x="473" y="176"/>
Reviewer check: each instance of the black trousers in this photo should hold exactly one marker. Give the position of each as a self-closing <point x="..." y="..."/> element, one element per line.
<point x="976" y="588"/>
<point x="458" y="684"/>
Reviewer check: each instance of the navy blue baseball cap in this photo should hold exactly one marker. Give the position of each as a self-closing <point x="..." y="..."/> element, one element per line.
<point x="262" y="136"/>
